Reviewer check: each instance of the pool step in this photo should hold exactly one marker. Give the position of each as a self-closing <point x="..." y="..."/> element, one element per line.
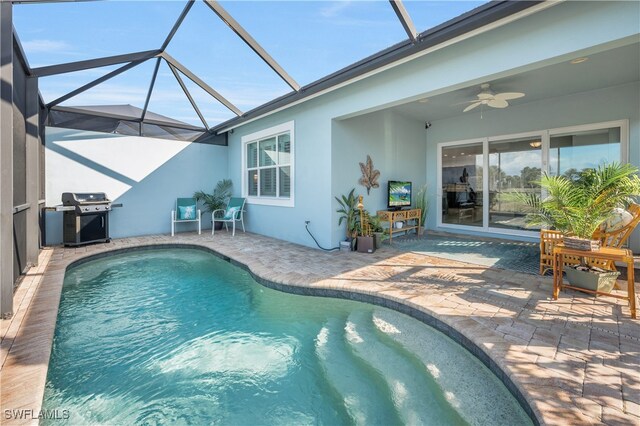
<point x="468" y="385"/>
<point x="366" y="401"/>
<point x="412" y="394"/>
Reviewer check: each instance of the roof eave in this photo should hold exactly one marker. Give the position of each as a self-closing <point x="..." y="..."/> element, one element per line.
<point x="477" y="18"/>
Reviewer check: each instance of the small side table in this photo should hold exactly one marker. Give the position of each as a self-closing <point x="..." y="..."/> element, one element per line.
<point x="605" y="253"/>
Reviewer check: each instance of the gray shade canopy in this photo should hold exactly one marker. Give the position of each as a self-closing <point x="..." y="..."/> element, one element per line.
<point x="127" y="120"/>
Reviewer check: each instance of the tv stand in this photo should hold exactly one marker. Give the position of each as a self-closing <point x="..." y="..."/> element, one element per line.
<point x="393" y="216"/>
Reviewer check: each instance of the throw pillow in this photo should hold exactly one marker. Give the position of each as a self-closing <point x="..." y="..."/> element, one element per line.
<point x="619" y="219"/>
<point x="186" y="212"/>
<point x="231" y="213"/>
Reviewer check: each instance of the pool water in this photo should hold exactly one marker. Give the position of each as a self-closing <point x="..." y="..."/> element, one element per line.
<point x="179" y="336"/>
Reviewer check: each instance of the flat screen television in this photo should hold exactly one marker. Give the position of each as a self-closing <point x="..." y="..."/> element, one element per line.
<point x="399" y="194"/>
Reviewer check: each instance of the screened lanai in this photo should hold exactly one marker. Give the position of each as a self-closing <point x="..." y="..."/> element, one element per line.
<point x="206" y="63"/>
<point x="183" y="71"/>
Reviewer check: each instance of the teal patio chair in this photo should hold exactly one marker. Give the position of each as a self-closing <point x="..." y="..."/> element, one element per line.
<point x="232" y="214"/>
<point x="186" y="210"/>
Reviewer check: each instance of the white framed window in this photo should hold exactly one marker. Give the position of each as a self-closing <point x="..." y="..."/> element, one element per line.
<point x="268" y="166"/>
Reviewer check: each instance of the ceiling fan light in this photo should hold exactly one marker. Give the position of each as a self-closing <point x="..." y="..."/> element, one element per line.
<point x="535" y="144"/>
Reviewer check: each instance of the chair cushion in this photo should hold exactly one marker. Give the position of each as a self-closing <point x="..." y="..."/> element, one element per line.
<point x="619" y="219"/>
<point x="186" y="212"/>
<point x="231" y="213"/>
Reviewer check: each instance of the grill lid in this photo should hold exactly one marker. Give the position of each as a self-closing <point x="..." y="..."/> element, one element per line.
<point x="78" y="198"/>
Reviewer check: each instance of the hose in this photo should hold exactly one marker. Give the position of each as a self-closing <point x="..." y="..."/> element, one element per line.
<point x="306" y="225"/>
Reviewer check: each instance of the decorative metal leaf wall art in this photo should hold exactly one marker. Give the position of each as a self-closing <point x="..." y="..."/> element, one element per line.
<point x="370" y="175"/>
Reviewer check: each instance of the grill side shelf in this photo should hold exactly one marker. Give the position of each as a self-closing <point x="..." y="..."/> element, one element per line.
<point x="62" y="208"/>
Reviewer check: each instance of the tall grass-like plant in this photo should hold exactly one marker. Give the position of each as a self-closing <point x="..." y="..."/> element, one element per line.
<point x="349" y="212"/>
<point x="578" y="206"/>
<point x="422" y="203"/>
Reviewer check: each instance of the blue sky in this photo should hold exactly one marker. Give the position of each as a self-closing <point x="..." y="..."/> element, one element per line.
<point x="310" y="39"/>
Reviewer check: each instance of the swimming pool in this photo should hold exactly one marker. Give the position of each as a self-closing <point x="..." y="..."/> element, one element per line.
<point x="181" y="336"/>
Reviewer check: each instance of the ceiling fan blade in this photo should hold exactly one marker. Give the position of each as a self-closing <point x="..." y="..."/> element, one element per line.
<point x="467" y="102"/>
<point x="498" y="103"/>
<point x="507" y="96"/>
<point x="472" y="106"/>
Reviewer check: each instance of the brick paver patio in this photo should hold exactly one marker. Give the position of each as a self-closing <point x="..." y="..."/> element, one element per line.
<point x="575" y="360"/>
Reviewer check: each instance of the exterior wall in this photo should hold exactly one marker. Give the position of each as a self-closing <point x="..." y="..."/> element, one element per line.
<point x="608" y="104"/>
<point x="397" y="146"/>
<point x="145" y="174"/>
<point x="312" y="174"/>
<point x="549" y="36"/>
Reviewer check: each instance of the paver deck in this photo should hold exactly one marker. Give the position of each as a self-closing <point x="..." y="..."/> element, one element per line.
<point x="575" y="360"/>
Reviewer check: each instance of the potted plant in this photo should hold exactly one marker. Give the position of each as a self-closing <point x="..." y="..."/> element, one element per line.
<point x="578" y="206"/>
<point x="423" y="204"/>
<point x="349" y="214"/>
<point x="377" y="231"/>
<point x="217" y="200"/>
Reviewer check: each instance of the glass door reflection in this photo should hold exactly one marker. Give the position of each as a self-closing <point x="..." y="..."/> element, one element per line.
<point x="515" y="166"/>
<point x="462" y="176"/>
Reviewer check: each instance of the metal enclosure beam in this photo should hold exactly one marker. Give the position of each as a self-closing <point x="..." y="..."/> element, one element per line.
<point x="188" y="95"/>
<point x="21" y="55"/>
<point x="153" y="82"/>
<point x="251" y="42"/>
<point x="6" y="160"/>
<point x="177" y="24"/>
<point x="94" y="83"/>
<point x="191" y="76"/>
<point x="32" y="142"/>
<point x="405" y="19"/>
<point x="93" y="63"/>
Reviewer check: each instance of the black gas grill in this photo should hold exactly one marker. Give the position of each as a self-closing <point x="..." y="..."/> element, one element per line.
<point x="88" y="220"/>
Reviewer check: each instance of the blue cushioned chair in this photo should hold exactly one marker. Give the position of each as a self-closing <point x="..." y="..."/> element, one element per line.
<point x="232" y="214"/>
<point x="186" y="210"/>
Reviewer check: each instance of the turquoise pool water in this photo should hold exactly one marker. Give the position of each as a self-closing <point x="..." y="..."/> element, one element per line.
<point x="178" y="336"/>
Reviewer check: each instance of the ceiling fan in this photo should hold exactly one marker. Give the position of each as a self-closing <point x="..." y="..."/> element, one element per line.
<point x="494" y="100"/>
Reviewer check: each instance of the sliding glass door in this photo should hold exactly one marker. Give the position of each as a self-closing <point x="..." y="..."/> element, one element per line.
<point x="480" y="179"/>
<point x="462" y="183"/>
<point x="515" y="166"/>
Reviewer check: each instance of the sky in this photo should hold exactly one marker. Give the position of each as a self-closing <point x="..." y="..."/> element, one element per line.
<point x="309" y="39"/>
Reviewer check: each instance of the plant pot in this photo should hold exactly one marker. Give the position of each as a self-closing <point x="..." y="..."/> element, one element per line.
<point x="581" y="244"/>
<point x="592" y="280"/>
<point x="366" y="245"/>
<point x="217" y="225"/>
<point x="377" y="239"/>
